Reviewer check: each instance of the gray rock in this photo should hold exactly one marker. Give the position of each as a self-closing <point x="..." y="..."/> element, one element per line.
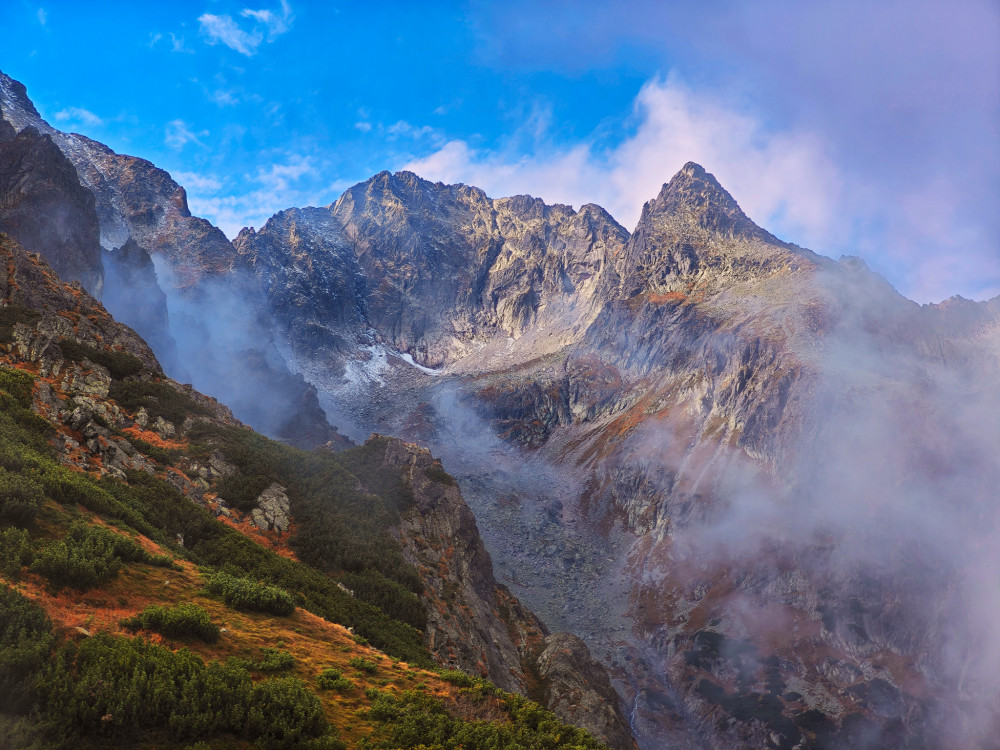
<point x="272" y="511"/>
<point x="164" y="429"/>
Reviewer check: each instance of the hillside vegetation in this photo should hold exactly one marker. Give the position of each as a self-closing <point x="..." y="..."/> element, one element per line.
<point x="132" y="614"/>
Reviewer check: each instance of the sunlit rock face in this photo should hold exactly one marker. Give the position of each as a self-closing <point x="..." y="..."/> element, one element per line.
<point x="748" y="475"/>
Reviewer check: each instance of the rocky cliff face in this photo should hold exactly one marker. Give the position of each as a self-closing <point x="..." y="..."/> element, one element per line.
<point x="494" y="269"/>
<point x="478" y="625"/>
<point x="700" y="385"/>
<point x="142" y="216"/>
<point x="44" y="207"/>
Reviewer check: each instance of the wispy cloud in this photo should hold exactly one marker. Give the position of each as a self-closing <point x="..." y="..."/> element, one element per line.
<point x="194" y="181"/>
<point x="223" y="97"/>
<point x="245" y="38"/>
<point x="78" y="115"/>
<point x="177" y="44"/>
<point x="775" y="175"/>
<point x="364" y="127"/>
<point x="178" y="135"/>
<point x="282" y="184"/>
<point x="43" y="16"/>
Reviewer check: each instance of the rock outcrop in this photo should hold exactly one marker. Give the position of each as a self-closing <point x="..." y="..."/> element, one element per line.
<point x="666" y="376"/>
<point x="477" y="625"/>
<point x="44" y="207"/>
<point x="272" y="509"/>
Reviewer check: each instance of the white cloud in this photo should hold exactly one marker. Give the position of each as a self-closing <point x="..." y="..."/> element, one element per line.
<point x="43" y="16"/>
<point x="225" y="30"/>
<point x="276" y="25"/>
<point x="177" y="44"/>
<point x="265" y="24"/>
<point x="194" y="181"/>
<point x="223" y="97"/>
<point x="777" y="177"/>
<point x="178" y="135"/>
<point x="278" y="187"/>
<point x="403" y="128"/>
<point x="364" y="127"/>
<point x="78" y="115"/>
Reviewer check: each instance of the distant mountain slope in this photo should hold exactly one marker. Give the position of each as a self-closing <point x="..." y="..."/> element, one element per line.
<point x="741" y="407"/>
<point x="758" y="483"/>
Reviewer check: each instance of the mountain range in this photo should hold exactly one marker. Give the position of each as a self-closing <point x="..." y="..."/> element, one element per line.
<point x="755" y="483"/>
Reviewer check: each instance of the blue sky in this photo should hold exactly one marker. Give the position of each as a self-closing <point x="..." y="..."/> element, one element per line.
<point x="848" y="127"/>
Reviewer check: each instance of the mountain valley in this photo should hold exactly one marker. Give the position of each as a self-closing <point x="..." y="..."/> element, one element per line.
<point x="687" y="485"/>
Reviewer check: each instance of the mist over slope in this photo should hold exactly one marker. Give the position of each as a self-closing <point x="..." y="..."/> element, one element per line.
<point x="759" y="483"/>
<point x="791" y="467"/>
<point x="172" y="276"/>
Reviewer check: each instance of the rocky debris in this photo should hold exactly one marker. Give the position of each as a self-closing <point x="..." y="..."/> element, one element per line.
<point x="88" y="379"/>
<point x="477" y="625"/>
<point x="272" y="511"/>
<point x="578" y="689"/>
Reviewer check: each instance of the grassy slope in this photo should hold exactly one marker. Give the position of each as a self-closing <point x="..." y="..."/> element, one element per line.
<point x="315" y="642"/>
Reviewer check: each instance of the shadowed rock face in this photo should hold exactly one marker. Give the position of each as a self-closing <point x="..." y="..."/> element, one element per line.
<point x="141" y="215"/>
<point x="44" y="207"/>
<point x="476" y="624"/>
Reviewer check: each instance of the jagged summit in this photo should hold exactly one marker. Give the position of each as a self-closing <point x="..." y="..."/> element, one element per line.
<point x="697" y="193"/>
<point x="14" y="102"/>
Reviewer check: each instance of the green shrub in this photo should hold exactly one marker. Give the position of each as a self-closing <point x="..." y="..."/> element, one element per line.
<point x="284" y="712"/>
<point x="436" y="473"/>
<point x="143" y="687"/>
<point x="331" y="679"/>
<point x="247" y="595"/>
<point x="20" y="498"/>
<point x="242" y="491"/>
<point x="363" y="665"/>
<point x="119" y="365"/>
<point x="391" y="597"/>
<point x="417" y="720"/>
<point x="160" y="399"/>
<point x="17" y="384"/>
<point x="25" y="645"/>
<point x="165" y="456"/>
<point x="180" y="621"/>
<point x="15" y="552"/>
<point x="89" y="556"/>
<point x="458" y="678"/>
<point x="273" y="660"/>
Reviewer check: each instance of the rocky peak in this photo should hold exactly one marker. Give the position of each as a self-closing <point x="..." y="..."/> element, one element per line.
<point x="694" y="233"/>
<point x="14" y="100"/>
<point x="696" y="195"/>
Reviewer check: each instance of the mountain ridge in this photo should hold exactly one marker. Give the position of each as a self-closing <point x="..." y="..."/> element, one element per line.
<point x="672" y="440"/>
